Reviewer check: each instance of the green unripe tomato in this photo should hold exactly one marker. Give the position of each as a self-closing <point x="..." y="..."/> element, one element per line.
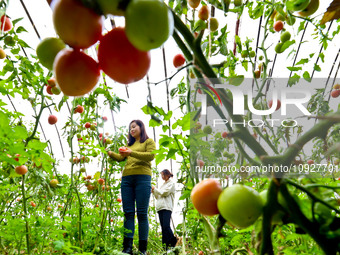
<point x="279" y="16"/>
<point x="252" y="54"/>
<point x="207" y="130"/>
<point x="285" y="36"/>
<point x="260" y="58"/>
<point x="290" y="20"/>
<point x="9" y="41"/>
<point x="213" y="24"/>
<point x="200" y="25"/>
<point x="47" y="49"/>
<point x="237" y="2"/>
<point x="278" y="48"/>
<point x="56" y="90"/>
<point x="297" y="5"/>
<point x="240" y="205"/>
<point x="244" y="54"/>
<point x="148" y="23"/>
<point x="310" y="9"/>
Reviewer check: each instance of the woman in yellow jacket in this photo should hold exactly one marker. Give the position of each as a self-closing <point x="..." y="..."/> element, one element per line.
<point x="136" y="183"/>
<point x="165" y="196"/>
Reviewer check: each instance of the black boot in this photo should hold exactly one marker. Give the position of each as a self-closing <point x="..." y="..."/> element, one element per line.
<point x="127" y="245"/>
<point x="143" y="244"/>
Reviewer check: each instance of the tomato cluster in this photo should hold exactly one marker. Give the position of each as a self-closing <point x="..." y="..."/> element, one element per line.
<point x="240" y="205"/>
<point x="123" y="53"/>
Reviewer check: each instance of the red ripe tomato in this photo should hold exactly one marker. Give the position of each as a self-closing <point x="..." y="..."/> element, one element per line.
<point x="122" y="149"/>
<point x="49" y="90"/>
<point x="119" y="200"/>
<point x="204" y="196"/>
<point x="77" y="25"/>
<point x="278" y="104"/>
<point x="101" y="181"/>
<point x="52" y="119"/>
<point x="51" y="82"/>
<point x="178" y="60"/>
<point x="87" y="125"/>
<point x="17" y="157"/>
<point x="76" y="73"/>
<point x="33" y="204"/>
<point x="225" y="134"/>
<point x="335" y="93"/>
<point x="278" y="25"/>
<point x="5" y="23"/>
<point x="21" y="170"/>
<point x="120" y="60"/>
<point x="79" y="109"/>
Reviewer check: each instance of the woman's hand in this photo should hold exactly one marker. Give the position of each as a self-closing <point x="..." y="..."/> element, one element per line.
<point x="126" y="152"/>
<point x="152" y="188"/>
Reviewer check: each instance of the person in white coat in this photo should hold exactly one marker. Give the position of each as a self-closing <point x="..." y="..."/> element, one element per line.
<point x="165" y="197"/>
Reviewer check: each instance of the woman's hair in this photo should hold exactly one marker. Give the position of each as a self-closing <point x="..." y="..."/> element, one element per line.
<point x="166" y="172"/>
<point x="143" y="135"/>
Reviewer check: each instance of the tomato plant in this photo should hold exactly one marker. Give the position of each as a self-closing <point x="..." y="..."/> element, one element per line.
<point x="56" y="206"/>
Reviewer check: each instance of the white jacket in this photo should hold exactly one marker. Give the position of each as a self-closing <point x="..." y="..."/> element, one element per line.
<point x="165" y="196"/>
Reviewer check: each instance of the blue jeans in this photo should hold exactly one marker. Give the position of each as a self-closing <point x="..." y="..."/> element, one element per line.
<point x="168" y="238"/>
<point x="136" y="189"/>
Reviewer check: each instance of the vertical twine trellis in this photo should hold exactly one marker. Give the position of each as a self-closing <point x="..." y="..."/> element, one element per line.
<point x="39" y="37"/>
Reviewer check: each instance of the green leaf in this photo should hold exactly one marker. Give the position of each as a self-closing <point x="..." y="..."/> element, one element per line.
<point x="171" y="154"/>
<point x="160" y="158"/>
<point x="293" y="80"/>
<point x="286" y="45"/>
<point x="257" y="12"/>
<point x="59" y="245"/>
<point x="302" y="26"/>
<point x="322" y="57"/>
<point x="186" y="194"/>
<point x="302" y="61"/>
<point x="154" y="123"/>
<point x="245" y="65"/>
<point x="16" y="21"/>
<point x="306" y="76"/>
<point x="165" y="128"/>
<point x="317" y="68"/>
<point x="238" y="42"/>
<point x="20" y="30"/>
<point x="293" y="69"/>
<point x="96" y="175"/>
